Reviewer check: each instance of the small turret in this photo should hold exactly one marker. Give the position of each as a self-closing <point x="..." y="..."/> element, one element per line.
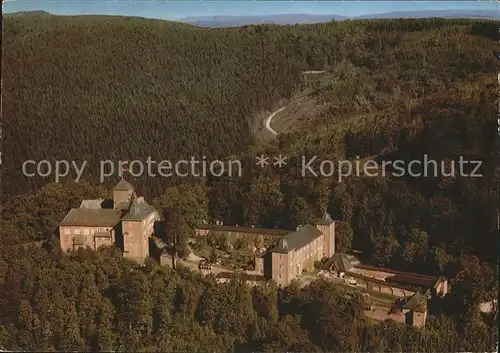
<point x="122" y="194"/>
<point x="283" y="245"/>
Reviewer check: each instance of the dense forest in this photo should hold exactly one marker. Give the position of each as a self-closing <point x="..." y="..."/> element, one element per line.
<point x="96" y="302"/>
<point x="91" y="88"/>
<point x="98" y="88"/>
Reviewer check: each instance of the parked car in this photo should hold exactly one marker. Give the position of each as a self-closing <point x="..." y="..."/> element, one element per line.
<point x="204" y="265"/>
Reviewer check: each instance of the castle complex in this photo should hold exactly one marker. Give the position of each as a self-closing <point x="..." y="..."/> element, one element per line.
<point x="126" y="222"/>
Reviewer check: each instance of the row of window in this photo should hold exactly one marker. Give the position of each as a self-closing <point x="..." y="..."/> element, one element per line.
<point x="86" y="231"/>
<point x="97" y="243"/>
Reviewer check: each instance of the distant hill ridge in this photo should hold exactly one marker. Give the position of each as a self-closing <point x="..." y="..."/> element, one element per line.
<point x="305" y="18"/>
<point x="284" y="19"/>
<point x="29" y="13"/>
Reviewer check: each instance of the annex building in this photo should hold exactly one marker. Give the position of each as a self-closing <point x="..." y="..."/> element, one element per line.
<point x="127" y="221"/>
<point x="297" y="252"/>
<point x="292" y="252"/>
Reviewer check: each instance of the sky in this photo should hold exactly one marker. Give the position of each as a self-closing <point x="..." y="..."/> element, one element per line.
<point x="175" y="10"/>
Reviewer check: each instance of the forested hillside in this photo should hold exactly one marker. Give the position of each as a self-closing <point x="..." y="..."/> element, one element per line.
<point x="95" y="302"/>
<point x="91" y="88"/>
<point x="98" y="87"/>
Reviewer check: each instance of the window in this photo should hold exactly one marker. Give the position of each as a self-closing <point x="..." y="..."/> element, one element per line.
<point x="66" y="231"/>
<point x="86" y="231"/>
<point x="77" y="231"/>
<point x="279" y="276"/>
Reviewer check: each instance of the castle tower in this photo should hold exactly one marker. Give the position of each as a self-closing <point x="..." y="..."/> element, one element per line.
<point x="122" y="194"/>
<point x="327" y="227"/>
<point x="137" y="227"/>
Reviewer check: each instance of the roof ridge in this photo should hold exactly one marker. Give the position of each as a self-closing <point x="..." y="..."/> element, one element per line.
<point x="123" y="185"/>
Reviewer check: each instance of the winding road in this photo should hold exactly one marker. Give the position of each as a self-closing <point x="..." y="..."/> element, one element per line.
<point x="268" y="121"/>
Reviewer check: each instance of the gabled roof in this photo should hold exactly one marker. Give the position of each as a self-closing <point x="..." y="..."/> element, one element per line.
<point x="123" y="185"/>
<point x="92" y="204"/>
<point x="417" y="302"/>
<point x="138" y="211"/>
<point x="298" y="239"/>
<point x="343" y="262"/>
<point x="91" y="217"/>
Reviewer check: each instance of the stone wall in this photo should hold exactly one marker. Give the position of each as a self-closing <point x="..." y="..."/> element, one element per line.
<point x="250" y="279"/>
<point x="382" y="287"/>
<point x="135" y="241"/>
<point x="328" y="232"/>
<point x="103" y="241"/>
<point x="415" y="318"/>
<point x="419" y="318"/>
<point x="234" y="235"/>
<point x="67" y="236"/>
<point x="259" y="265"/>
<point x="121" y="198"/>
<point x="281" y="272"/>
<point x="441" y="287"/>
<point x="403" y="280"/>
<point x="380" y="275"/>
